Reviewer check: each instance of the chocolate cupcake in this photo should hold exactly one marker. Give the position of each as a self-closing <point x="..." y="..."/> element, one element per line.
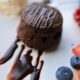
<point x="40" y="26"/>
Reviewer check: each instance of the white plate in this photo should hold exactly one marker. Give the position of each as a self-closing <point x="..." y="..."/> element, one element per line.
<point x="53" y="60"/>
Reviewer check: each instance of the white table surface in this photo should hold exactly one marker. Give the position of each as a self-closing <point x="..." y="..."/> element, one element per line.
<point x="53" y="60"/>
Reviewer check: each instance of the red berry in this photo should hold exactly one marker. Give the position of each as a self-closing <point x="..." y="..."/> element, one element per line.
<point x="78" y="11"/>
<point x="76" y="50"/>
<point x="77" y="16"/>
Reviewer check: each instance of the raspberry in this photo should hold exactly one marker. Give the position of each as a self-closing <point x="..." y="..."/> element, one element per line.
<point x="76" y="50"/>
<point x="77" y="16"/>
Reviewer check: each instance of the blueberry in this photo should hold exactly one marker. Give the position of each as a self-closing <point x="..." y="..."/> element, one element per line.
<point x="75" y="62"/>
<point x="64" y="73"/>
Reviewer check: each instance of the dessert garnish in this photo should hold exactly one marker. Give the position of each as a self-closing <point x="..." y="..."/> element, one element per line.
<point x="64" y="73"/>
<point x="76" y="50"/>
<point x="77" y="15"/>
<point x="75" y="62"/>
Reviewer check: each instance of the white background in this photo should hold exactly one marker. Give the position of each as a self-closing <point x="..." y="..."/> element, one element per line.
<point x="53" y="60"/>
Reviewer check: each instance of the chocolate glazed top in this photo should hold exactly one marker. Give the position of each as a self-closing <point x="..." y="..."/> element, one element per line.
<point x="42" y="16"/>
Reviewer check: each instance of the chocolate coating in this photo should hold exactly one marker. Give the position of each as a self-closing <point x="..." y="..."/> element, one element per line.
<point x="40" y="26"/>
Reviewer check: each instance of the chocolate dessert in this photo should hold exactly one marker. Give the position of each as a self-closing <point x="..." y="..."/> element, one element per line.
<point x="40" y="26"/>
